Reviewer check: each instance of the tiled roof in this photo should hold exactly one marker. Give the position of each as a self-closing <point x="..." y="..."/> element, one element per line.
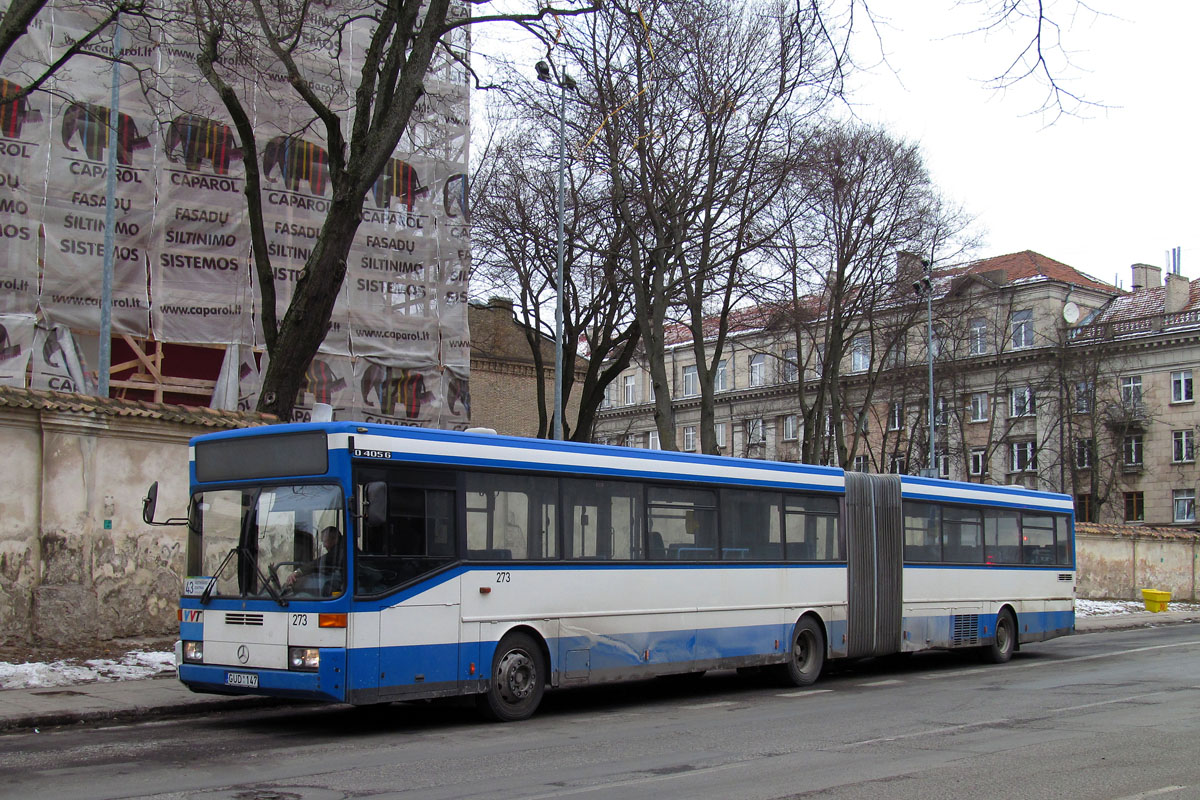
<point x="11" y="397"/>
<point x="1096" y="529"/>
<point x="1028" y="264"/>
<point x="1146" y="303"/>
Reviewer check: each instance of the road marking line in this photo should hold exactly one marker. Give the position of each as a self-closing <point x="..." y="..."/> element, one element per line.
<point x="804" y="693"/>
<point x="1153" y="793"/>
<point x="717" y="704"/>
<point x="889" y="682"/>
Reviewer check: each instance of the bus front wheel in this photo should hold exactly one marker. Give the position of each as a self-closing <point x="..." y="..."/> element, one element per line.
<point x="1001" y="650"/>
<point x="518" y="680"/>
<point x="807" y="656"/>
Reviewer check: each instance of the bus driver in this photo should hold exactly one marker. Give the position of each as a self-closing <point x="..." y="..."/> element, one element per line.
<point x="328" y="567"/>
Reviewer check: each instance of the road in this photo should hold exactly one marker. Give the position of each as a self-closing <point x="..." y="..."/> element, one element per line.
<point x="1103" y="715"/>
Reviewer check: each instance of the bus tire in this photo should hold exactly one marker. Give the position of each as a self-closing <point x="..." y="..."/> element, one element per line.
<point x="1002" y="647"/>
<point x="807" y="658"/>
<point x="518" y="680"/>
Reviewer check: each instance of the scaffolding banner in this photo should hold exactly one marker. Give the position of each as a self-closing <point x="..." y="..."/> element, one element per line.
<point x="16" y="346"/>
<point x="74" y="221"/>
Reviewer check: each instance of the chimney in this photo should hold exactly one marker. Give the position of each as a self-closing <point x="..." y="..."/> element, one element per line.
<point x="501" y="303"/>
<point x="1146" y="276"/>
<point x="1179" y="291"/>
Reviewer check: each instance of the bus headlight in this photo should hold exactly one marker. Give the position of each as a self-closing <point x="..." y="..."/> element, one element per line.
<point x="193" y="652"/>
<point x="306" y="658"/>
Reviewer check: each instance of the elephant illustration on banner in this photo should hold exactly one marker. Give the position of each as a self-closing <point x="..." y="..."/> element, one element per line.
<point x="322" y="382"/>
<point x="454" y="197"/>
<point x="90" y="121"/>
<point x="298" y="160"/>
<point x="198" y="139"/>
<point x="459" y="390"/>
<point x="14" y="113"/>
<point x="398" y="179"/>
<point x="395" y="388"/>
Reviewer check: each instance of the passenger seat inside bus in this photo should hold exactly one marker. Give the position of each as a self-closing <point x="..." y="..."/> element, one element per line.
<point x="657" y="550"/>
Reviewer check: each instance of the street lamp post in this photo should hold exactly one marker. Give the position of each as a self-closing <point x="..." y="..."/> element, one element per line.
<point x="925" y="287"/>
<point x="546" y="76"/>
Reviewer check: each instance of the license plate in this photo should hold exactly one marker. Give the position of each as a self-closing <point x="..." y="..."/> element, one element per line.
<point x="246" y="680"/>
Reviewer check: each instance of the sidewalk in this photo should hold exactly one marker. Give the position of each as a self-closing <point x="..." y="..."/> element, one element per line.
<point x="167" y="697"/>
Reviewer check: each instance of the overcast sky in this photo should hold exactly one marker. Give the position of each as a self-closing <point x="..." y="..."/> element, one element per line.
<point x="1098" y="191"/>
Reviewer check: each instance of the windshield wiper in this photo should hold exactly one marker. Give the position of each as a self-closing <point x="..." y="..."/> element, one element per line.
<point x="204" y="598"/>
<point x="207" y="593"/>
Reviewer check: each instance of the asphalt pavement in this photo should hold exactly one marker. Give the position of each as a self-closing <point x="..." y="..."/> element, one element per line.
<point x="151" y="698"/>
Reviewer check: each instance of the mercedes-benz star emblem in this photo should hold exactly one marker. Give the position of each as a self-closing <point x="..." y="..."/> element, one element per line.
<point x="243" y="654"/>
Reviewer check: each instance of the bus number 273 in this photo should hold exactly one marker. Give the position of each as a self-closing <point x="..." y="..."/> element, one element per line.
<point x="503" y="577"/>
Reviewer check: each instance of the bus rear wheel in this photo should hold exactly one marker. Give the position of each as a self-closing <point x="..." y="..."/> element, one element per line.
<point x="807" y="656"/>
<point x="518" y="680"/>
<point x="1001" y="650"/>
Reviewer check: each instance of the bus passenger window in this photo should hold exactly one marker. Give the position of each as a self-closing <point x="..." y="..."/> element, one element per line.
<point x="686" y="519"/>
<point x="1062" y="538"/>
<point x="750" y="528"/>
<point x="603" y="519"/>
<point x="1037" y="539"/>
<point x="962" y="531"/>
<point x="511" y="517"/>
<point x="1001" y="537"/>
<point x="811" y="528"/>
<point x="922" y="532"/>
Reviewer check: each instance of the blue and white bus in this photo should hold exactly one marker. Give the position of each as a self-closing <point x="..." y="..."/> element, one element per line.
<point x="361" y="563"/>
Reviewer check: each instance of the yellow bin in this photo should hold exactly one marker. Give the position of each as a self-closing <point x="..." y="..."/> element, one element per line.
<point x="1155" y="599"/>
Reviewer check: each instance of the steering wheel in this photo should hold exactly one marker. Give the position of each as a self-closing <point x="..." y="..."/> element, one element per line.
<point x="274" y="575"/>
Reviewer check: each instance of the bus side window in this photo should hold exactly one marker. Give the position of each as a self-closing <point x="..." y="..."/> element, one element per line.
<point x="511" y="516"/>
<point x="417" y="537"/>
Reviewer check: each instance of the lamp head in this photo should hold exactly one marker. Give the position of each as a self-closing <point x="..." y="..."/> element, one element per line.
<point x="543" y="71"/>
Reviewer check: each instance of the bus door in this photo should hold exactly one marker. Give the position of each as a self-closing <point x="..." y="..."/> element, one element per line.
<point x="416" y="625"/>
<point x="874" y="535"/>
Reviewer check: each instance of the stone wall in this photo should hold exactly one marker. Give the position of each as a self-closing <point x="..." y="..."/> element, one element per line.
<point x="76" y="560"/>
<point x="1117" y="562"/>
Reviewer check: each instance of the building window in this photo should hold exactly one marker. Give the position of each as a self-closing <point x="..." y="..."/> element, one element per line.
<point x="719" y="429"/>
<point x="691" y="381"/>
<point x="610" y="396"/>
<point x="943" y="464"/>
<point x="654" y="443"/>
<point x="790" y="368"/>
<point x="1133" y="450"/>
<point x="861" y="464"/>
<point x="719" y="384"/>
<point x="896" y="416"/>
<point x="860" y="354"/>
<point x="757" y="362"/>
<point x="1022" y="402"/>
<point x="1185" y="505"/>
<point x="942" y="412"/>
<point x="1181" y="386"/>
<point x="754" y="431"/>
<point x="689" y="438"/>
<point x="1083" y="508"/>
<point x="978" y="461"/>
<point x="977" y="342"/>
<point x="1183" y="446"/>
<point x="1024" y="457"/>
<point x="1022" y="329"/>
<point x="1083" y="397"/>
<point x="897" y="355"/>
<point x="791" y="427"/>
<point x="1135" y="507"/>
<point x="897" y="464"/>
<point x="633" y="440"/>
<point x="1083" y="454"/>
<point x="1131" y="391"/>
<point x="630" y="390"/>
<point x="979" y="406"/>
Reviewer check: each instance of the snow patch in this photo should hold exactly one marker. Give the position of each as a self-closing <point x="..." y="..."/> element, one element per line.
<point x="133" y="665"/>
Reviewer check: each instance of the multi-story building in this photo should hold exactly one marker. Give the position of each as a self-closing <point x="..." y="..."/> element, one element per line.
<point x="1043" y="376"/>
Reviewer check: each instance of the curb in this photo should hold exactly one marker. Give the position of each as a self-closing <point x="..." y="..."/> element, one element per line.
<point x="182" y="709"/>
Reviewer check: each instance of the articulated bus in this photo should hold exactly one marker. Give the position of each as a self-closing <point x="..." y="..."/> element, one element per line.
<point x="361" y="563"/>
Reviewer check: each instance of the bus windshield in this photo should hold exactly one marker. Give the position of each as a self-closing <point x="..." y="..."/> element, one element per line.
<point x="269" y="542"/>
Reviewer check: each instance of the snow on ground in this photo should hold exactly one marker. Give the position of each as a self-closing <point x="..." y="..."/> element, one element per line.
<point x="1108" y="608"/>
<point x="133" y="665"/>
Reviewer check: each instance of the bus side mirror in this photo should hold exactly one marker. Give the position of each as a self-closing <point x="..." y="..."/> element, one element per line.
<point x="149" y="502"/>
<point x="377" y="502"/>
